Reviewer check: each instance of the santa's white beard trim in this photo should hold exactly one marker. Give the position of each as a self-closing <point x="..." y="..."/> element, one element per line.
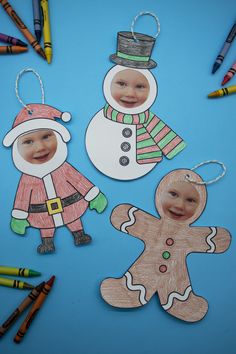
<point x="40" y="170"/>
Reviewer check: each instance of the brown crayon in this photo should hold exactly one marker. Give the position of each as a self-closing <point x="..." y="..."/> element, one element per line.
<point x="12" y="49"/>
<point x="23" y="306"/>
<point x="34" y="310"/>
<point x="22" y="27"/>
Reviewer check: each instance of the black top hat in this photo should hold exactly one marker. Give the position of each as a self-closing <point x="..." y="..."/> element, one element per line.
<point x="134" y="51"/>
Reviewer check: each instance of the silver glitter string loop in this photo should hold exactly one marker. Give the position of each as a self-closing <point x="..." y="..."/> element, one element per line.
<point x="17" y="85"/>
<point x="212" y="180"/>
<point x="142" y="14"/>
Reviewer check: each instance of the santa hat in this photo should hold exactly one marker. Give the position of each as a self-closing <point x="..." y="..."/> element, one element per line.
<point x="37" y="116"/>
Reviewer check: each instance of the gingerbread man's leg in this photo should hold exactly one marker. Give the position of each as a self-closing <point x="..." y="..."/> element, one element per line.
<point x="126" y="291"/>
<point x="178" y="299"/>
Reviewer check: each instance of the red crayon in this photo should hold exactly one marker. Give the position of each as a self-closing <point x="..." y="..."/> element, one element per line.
<point x="34" y="310"/>
<point x="229" y="74"/>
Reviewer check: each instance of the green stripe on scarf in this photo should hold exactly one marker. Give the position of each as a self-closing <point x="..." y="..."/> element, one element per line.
<point x="170" y="136"/>
<point x="176" y="150"/>
<point x="145" y="143"/>
<point x="149" y="155"/>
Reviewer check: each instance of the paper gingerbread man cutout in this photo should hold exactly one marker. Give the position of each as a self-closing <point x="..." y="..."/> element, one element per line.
<point x="162" y="268"/>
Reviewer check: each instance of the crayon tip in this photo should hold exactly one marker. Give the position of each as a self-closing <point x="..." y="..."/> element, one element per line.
<point x="33" y="273"/>
<point x="215" y="67"/>
<point x="28" y="286"/>
<point x="22" y="44"/>
<point x="51" y="281"/>
<point x="212" y="95"/>
<point x="225" y="80"/>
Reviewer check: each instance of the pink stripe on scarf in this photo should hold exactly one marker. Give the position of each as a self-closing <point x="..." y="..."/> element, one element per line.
<point x="135" y="119"/>
<point x="148" y="149"/>
<point x="120" y="117"/>
<point x="161" y="134"/>
<point x="172" y="144"/>
<point x="109" y="111"/>
<point x="154" y="160"/>
<point x="143" y="137"/>
<point x="155" y="120"/>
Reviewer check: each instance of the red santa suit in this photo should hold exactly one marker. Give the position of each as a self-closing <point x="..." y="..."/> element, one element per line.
<point x="53" y="193"/>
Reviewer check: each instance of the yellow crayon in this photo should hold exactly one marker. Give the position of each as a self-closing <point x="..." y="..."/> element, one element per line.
<point x="13" y="283"/>
<point x="222" y="92"/>
<point x="46" y="30"/>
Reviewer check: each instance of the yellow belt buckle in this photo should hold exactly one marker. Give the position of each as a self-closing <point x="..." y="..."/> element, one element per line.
<point x="54" y="206"/>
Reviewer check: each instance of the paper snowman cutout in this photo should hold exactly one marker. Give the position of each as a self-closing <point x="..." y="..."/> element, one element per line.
<point x="51" y="193"/>
<point x="124" y="140"/>
<point x="161" y="268"/>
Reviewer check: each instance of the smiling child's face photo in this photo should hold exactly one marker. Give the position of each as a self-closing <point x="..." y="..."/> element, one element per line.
<point x="180" y="200"/>
<point x="130" y="88"/>
<point x="38" y="146"/>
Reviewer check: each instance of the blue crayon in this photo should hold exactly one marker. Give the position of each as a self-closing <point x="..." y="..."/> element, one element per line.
<point x="225" y="48"/>
<point x="37" y="19"/>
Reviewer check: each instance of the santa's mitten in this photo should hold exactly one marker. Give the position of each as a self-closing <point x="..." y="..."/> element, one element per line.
<point x="99" y="203"/>
<point x="19" y="226"/>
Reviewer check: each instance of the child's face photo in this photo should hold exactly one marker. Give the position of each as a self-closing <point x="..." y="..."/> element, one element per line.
<point x="180" y="200"/>
<point x="130" y="88"/>
<point x="38" y="146"/>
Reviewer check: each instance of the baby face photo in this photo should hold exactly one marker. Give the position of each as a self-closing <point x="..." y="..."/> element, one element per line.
<point x="180" y="200"/>
<point x="38" y="146"/>
<point x="130" y="88"/>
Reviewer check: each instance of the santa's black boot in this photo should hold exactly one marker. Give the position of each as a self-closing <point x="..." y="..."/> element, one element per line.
<point x="47" y="245"/>
<point x="80" y="238"/>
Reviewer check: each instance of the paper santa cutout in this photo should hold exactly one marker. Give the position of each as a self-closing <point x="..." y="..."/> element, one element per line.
<point x="51" y="193"/>
<point x="161" y="268"/>
<point x="125" y="140"/>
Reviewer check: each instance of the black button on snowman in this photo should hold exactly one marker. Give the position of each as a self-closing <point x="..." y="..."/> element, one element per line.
<point x="124" y="140"/>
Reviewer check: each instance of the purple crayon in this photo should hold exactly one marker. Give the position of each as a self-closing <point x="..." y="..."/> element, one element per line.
<point x="225" y="48"/>
<point x="11" y="40"/>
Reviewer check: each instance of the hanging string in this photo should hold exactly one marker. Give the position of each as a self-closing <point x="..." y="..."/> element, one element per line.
<point x="142" y="14"/>
<point x="17" y="85"/>
<point x="212" y="180"/>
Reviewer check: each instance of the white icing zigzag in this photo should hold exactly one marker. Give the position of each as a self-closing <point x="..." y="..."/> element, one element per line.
<point x="131" y="220"/>
<point x="177" y="296"/>
<point x="137" y="287"/>
<point x="210" y="242"/>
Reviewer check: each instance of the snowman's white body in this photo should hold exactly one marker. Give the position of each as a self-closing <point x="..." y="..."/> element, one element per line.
<point x="111" y="147"/>
<point x="111" y="150"/>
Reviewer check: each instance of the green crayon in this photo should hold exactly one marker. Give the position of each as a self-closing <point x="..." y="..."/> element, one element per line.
<point x="13" y="283"/>
<point x="20" y="272"/>
<point x="22" y="307"/>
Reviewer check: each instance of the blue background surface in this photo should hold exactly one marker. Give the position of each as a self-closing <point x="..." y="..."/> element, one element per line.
<point x="75" y="319"/>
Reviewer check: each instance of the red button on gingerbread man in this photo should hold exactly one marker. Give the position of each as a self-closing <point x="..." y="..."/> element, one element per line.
<point x="161" y="268"/>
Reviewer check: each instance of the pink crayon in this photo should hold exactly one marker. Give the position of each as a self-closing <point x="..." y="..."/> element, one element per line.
<point x="229" y="74"/>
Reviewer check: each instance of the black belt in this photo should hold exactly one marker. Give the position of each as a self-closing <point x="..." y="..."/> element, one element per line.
<point x="42" y="208"/>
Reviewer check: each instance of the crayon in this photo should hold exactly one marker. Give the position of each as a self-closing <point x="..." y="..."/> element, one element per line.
<point x="12" y="49"/>
<point x="20" y="309"/>
<point x="222" y="92"/>
<point x="225" y="48"/>
<point x="229" y="74"/>
<point x="46" y="30"/>
<point x="12" y="40"/>
<point x="34" y="310"/>
<point x="37" y="19"/>
<point x="13" y="283"/>
<point x="22" y="27"/>
<point x="20" y="272"/>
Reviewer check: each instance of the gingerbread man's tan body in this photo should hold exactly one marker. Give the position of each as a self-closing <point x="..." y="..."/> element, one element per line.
<point x="161" y="268"/>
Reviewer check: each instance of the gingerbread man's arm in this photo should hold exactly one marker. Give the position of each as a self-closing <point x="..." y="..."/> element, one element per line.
<point x="209" y="239"/>
<point x="138" y="223"/>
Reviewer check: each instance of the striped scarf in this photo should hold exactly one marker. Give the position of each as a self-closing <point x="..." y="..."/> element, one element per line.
<point x="153" y="136"/>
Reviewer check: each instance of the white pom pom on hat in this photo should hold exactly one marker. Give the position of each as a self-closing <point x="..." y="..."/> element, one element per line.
<point x="38" y="116"/>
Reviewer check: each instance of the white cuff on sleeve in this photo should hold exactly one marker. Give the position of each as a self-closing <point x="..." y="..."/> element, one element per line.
<point x="19" y="214"/>
<point x="92" y="193"/>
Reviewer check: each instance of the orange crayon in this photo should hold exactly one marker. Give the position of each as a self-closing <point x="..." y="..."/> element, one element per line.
<point x="22" y="27"/>
<point x="12" y="49"/>
<point x="34" y="310"/>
